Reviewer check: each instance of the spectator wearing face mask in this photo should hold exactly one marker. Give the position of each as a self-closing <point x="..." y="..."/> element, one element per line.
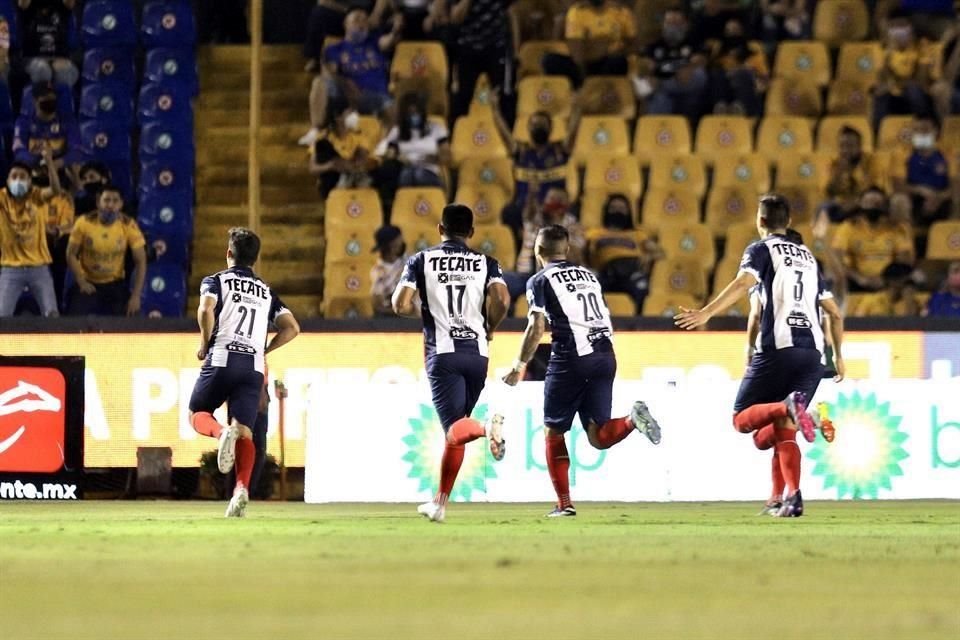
<point x="93" y="175"/>
<point x="673" y="77"/>
<point x="97" y="254"/>
<point x="46" y="129"/>
<point x="898" y="298"/>
<point x="340" y="157"/>
<point x="908" y="73"/>
<point x="60" y="218"/>
<point x="24" y="253"/>
<point x="925" y="175"/>
<point x="46" y="26"/>
<point x="946" y="91"/>
<point x="739" y="71"/>
<point x="852" y="171"/>
<point x="600" y="34"/>
<point x="946" y="302"/>
<point x="386" y="273"/>
<point x="784" y="20"/>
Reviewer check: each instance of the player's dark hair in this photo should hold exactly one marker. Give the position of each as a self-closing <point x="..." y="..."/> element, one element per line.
<point x="244" y="245"/>
<point x="457" y="220"/>
<point x="111" y="188"/>
<point x="554" y="239"/>
<point x="774" y="211"/>
<point x="794" y="236"/>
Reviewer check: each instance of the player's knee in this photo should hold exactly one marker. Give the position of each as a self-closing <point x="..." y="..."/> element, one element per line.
<point x="245" y="431"/>
<point x="593" y="438"/>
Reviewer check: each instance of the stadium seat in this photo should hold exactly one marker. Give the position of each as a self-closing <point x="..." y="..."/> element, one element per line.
<point x="669" y="207"/>
<point x="110" y="65"/>
<point x="838" y="21"/>
<point x="170" y="144"/>
<point x="614" y="174"/>
<point x="830" y="126"/>
<point x="718" y="135"/>
<point x="354" y="209"/>
<point x="347" y="308"/>
<point x="531" y="55"/>
<point x="106" y="102"/>
<point x="64" y="102"/>
<point x="620" y="305"/>
<point x="482" y="101"/>
<point x="600" y="135"/>
<point x="659" y="135"/>
<point x="749" y="170"/>
<point x="165" y="291"/>
<point x="164" y="179"/>
<point x="7" y="116"/>
<point x="591" y="208"/>
<point x="167" y="215"/>
<point x="803" y="169"/>
<point x="853" y="304"/>
<point x="689" y="241"/>
<point x="496" y="240"/>
<point x="413" y="205"/>
<point x="552" y="94"/>
<point x="476" y="137"/>
<point x="779" y="135"/>
<point x="666" y="304"/>
<point x="846" y="98"/>
<point x="163" y="103"/>
<point x="421" y="236"/>
<point x="609" y="96"/>
<point x="738" y="238"/>
<point x="486" y="202"/>
<point x="679" y="172"/>
<point x="943" y="240"/>
<point x="558" y="130"/>
<point x="419" y="60"/>
<point x="172" y="66"/>
<point x="793" y="97"/>
<point x="804" y="60"/>
<point x="950" y="133"/>
<point x="895" y="134"/>
<point x="108" y="23"/>
<point x="860" y="63"/>
<point x="728" y="206"/>
<point x="105" y="141"/>
<point x="346" y="280"/>
<point x="804" y="201"/>
<point x="168" y="23"/>
<point x="679" y="275"/>
<point x="488" y="174"/>
<point x="725" y="272"/>
<point x="351" y="244"/>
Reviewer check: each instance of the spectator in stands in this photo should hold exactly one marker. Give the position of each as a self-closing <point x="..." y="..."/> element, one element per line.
<point x="532" y="20"/>
<point x="925" y="175"/>
<point x="620" y="254"/>
<point x="413" y="12"/>
<point x="385" y="274"/>
<point x="739" y="71"/>
<point x="946" y="302"/>
<point x="4" y="48"/>
<point x="868" y="242"/>
<point x="946" y="91"/>
<point x="711" y="17"/>
<point x="340" y="157"/>
<point x="673" y="76"/>
<point x="46" y="129"/>
<point x="930" y="18"/>
<point x="908" y="73"/>
<point x="851" y="173"/>
<point x="784" y="20"/>
<point x="60" y="217"/>
<point x="24" y="253"/>
<point x="482" y="34"/>
<point x="600" y="34"/>
<point x="97" y="254"/>
<point x="897" y="298"/>
<point x="46" y="26"/>
<point x="92" y="177"/>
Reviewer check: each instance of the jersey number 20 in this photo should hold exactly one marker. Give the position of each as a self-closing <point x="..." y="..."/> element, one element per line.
<point x="590" y="304"/>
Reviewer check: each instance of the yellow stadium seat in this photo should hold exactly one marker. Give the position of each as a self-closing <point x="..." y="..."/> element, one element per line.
<point x="804" y="201"/>
<point x="847" y="98"/>
<point x="600" y="135"/>
<point x="421" y="235"/>
<point x="830" y="126"/>
<point x="552" y="94"/>
<point x="495" y="173"/>
<point x="614" y="174"/>
<point x="667" y="304"/>
<point x="780" y="135"/>
<point x="371" y="130"/>
<point x="718" y="135"/>
<point x="346" y="280"/>
<point x="681" y="172"/>
<point x="803" y="59"/>
<point x="860" y="63"/>
<point x="480" y="103"/>
<point x="739" y="237"/>
<point x="531" y="54"/>
<point x="803" y="169"/>
<point x="729" y="206"/>
<point x="620" y="305"/>
<point x="419" y="59"/>
<point x="486" y="203"/>
<point x="750" y="170"/>
<point x="689" y="241"/>
<point x="950" y="133"/>
<point x="413" y="205"/>
<point x="348" y="308"/>
<point x="854" y="303"/>
<point x="838" y="21"/>
<point x="521" y="133"/>
<point x="496" y="240"/>
<point x="669" y="207"/>
<point x="895" y="134"/>
<point x="608" y="95"/>
<point x="793" y="97"/>
<point x="353" y="208"/>
<point x="476" y="137"/>
<point x="943" y="240"/>
<point x="349" y="245"/>
<point x="658" y="135"/>
<point x="679" y="275"/>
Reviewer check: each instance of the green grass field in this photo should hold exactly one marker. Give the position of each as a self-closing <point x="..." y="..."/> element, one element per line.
<point x="179" y="570"/>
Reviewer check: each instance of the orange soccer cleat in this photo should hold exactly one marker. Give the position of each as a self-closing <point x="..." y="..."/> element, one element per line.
<point x="824" y="424"/>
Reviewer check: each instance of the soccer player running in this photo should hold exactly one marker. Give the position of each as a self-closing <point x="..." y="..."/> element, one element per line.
<point x="582" y="364"/>
<point x="236" y="309"/>
<point x="786" y="368"/>
<point x="462" y="301"/>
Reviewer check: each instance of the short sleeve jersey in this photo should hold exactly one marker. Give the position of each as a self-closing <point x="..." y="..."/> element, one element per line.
<point x="245" y="308"/>
<point x="611" y="20"/>
<point x="103" y="247"/>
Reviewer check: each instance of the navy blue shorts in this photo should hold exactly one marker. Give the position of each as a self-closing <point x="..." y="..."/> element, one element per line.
<point x="579" y="385"/>
<point x="456" y="380"/>
<point x="772" y="376"/>
<point x="238" y="386"/>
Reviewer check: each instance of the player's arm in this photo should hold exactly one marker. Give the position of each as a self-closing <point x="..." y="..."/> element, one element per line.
<point x="139" y="276"/>
<point x="691" y="319"/>
<point x="402" y="301"/>
<point x="206" y="319"/>
<point x="287" y="329"/>
<point x="536" y="324"/>
<point x="498" y="303"/>
<point x="829" y="305"/>
<point x="753" y="326"/>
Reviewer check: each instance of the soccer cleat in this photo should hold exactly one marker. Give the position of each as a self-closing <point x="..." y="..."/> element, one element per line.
<point x="494" y="433"/>
<point x="644" y="422"/>
<point x="227" y="448"/>
<point x="238" y="503"/>
<point x="821" y="419"/>
<point x="565" y="512"/>
<point x="772" y="508"/>
<point x="432" y="511"/>
<point x="792" y="507"/>
<point x="796" y="404"/>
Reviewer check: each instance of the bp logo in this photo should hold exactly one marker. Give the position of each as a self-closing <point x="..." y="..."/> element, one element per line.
<point x="868" y="449"/>
<point x="424" y="445"/>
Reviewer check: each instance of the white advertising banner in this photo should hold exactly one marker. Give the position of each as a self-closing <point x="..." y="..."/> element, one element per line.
<point x="382" y="443"/>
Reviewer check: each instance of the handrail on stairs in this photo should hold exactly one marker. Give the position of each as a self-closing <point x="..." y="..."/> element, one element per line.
<point x="256" y="91"/>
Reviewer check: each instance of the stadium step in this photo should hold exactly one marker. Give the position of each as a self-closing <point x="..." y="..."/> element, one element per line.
<point x="301" y="192"/>
<point x="285" y="98"/>
<point x="237" y="152"/>
<point x="239" y="115"/>
<point x="234" y="80"/>
<point x="290" y="214"/>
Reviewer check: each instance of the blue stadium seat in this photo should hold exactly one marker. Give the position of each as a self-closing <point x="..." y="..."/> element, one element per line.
<point x="110" y="65"/>
<point x="163" y="179"/>
<point x="7" y="116"/>
<point x="161" y="141"/>
<point x="105" y="141"/>
<point x="8" y="13"/>
<point x="173" y="66"/>
<point x="109" y="23"/>
<point x="165" y="291"/>
<point x="164" y="103"/>
<point x="167" y="215"/>
<point x="168" y="23"/>
<point x="121" y="174"/>
<point x="64" y="102"/>
<point x="106" y="102"/>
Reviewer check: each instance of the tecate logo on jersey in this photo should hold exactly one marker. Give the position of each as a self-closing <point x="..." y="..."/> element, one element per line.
<point x="456" y="263"/>
<point x="247" y="286"/>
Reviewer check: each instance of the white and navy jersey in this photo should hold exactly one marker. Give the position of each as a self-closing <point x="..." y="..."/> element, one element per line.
<point x="452" y="280"/>
<point x="790" y="287"/>
<point x="246" y="307"/>
<point x="572" y="300"/>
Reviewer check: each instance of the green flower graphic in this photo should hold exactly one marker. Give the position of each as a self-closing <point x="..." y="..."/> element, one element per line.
<point x="867" y="451"/>
<point x="425" y="446"/>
